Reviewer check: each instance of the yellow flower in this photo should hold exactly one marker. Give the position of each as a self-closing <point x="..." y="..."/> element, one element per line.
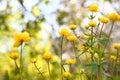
<point x="103" y="20"/>
<point x="66" y="74"/>
<point x="113" y="58"/>
<point x="92" y="24"/>
<point x="72" y="38"/>
<point x="21" y="37"/>
<point x="116" y="46"/>
<point x="36" y="11"/>
<point x="70" y="61"/>
<point x="64" y="32"/>
<point x="81" y="47"/>
<point x="14" y="55"/>
<point x="114" y="16"/>
<point x="33" y="60"/>
<point x="93" y="7"/>
<point x="47" y="56"/>
<point x="73" y="26"/>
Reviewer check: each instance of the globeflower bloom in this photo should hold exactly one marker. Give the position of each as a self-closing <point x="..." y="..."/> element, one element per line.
<point x="21" y="37"/>
<point x="103" y="19"/>
<point x="14" y="55"/>
<point x="73" y="26"/>
<point x="64" y="32"/>
<point x="72" y="38"/>
<point x="116" y="46"/>
<point x="93" y="8"/>
<point x="92" y="24"/>
<point x="113" y="58"/>
<point x="47" y="56"/>
<point x="66" y="74"/>
<point x="70" y="61"/>
<point x="33" y="60"/>
<point x="114" y="17"/>
<point x="81" y="47"/>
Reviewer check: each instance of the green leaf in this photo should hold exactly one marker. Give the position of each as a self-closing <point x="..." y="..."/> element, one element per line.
<point x="92" y="66"/>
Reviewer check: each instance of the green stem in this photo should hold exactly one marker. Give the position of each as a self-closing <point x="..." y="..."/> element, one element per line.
<point x="61" y="56"/>
<point x="49" y="69"/>
<point x="92" y="55"/>
<point x="38" y="70"/>
<point x="16" y="65"/>
<point x="21" y="62"/>
<point x="108" y="37"/>
<point x="101" y="30"/>
<point x="99" y="72"/>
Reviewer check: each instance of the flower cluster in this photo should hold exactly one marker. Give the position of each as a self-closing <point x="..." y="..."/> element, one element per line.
<point x="114" y="16"/>
<point x="64" y="32"/>
<point x="47" y="56"/>
<point x="93" y="7"/>
<point x="70" y="61"/>
<point x="21" y="37"/>
<point x="103" y="19"/>
<point x="14" y="55"/>
<point x="72" y="38"/>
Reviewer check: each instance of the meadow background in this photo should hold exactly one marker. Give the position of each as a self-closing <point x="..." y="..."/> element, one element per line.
<point x="41" y="56"/>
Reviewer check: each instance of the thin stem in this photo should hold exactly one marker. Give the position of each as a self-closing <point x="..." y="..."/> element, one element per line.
<point x="74" y="50"/>
<point x="108" y="37"/>
<point x="101" y="30"/>
<point x="61" y="56"/>
<point x="21" y="62"/>
<point x="97" y="27"/>
<point x="49" y="69"/>
<point x="16" y="65"/>
<point x="38" y="70"/>
<point x="117" y="61"/>
<point x="92" y="55"/>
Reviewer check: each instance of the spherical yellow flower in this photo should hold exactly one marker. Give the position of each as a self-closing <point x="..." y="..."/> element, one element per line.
<point x="92" y="24"/>
<point x="116" y="46"/>
<point x="70" y="61"/>
<point x="72" y="38"/>
<point x="64" y="32"/>
<point x="114" y="16"/>
<point x="47" y="56"/>
<point x="81" y="47"/>
<point x="33" y="60"/>
<point x="93" y="7"/>
<point x="103" y="19"/>
<point x="73" y="26"/>
<point x="21" y="37"/>
<point x="113" y="58"/>
<point x="66" y="74"/>
<point x="14" y="55"/>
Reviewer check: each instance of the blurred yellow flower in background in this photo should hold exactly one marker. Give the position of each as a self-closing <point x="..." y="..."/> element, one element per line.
<point x="72" y="38"/>
<point x="67" y="74"/>
<point x="81" y="47"/>
<point x="70" y="61"/>
<point x="47" y="56"/>
<point x="64" y="32"/>
<point x="92" y="23"/>
<point x="114" y="16"/>
<point x="33" y="60"/>
<point x="21" y="37"/>
<point x="103" y="19"/>
<point x="116" y="46"/>
<point x="36" y="11"/>
<point x="93" y="7"/>
<point x="73" y="26"/>
<point x="14" y="55"/>
<point x="113" y="58"/>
